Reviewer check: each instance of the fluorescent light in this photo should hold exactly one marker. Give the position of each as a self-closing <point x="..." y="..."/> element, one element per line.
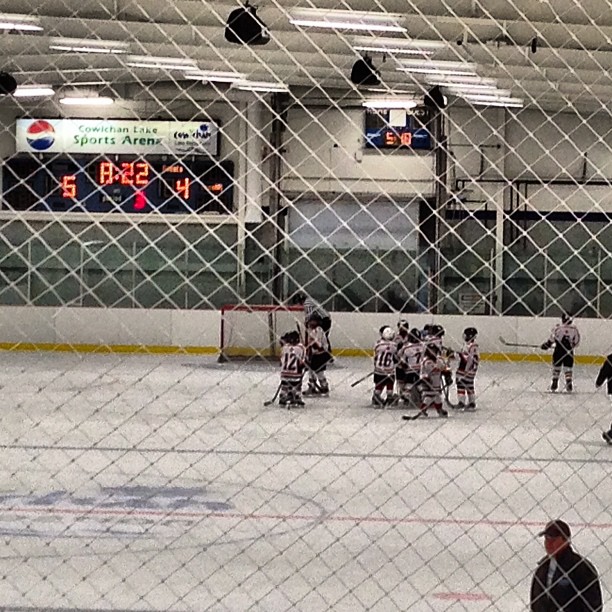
<point x="215" y="76"/>
<point x="261" y="86"/>
<point x="488" y="96"/>
<point x="24" y="23"/>
<point x="507" y="104"/>
<point x="460" y="90"/>
<point x="396" y="45"/>
<point x="162" y="63"/>
<point x="459" y="81"/>
<point x="33" y="91"/>
<point x="347" y="20"/>
<point x="84" y="45"/>
<point x="390" y="103"/>
<point x="86" y="101"/>
<point x="437" y="67"/>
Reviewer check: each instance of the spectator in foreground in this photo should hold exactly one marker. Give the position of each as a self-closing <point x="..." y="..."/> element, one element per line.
<point x="564" y="581"/>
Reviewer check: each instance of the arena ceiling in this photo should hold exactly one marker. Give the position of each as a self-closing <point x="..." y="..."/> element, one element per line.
<point x="570" y="66"/>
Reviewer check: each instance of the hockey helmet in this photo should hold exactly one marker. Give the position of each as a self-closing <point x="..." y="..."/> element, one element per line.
<point x="292" y="337"/>
<point x="437" y="331"/>
<point x="565" y="318"/>
<point x="414" y="335"/>
<point x="298" y="298"/>
<point x="388" y="333"/>
<point x="403" y="324"/>
<point x="469" y="333"/>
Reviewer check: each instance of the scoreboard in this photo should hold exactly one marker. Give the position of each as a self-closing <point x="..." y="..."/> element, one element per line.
<point x="398" y="128"/>
<point x="102" y="184"/>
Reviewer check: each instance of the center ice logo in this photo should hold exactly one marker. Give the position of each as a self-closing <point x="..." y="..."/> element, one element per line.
<point x="40" y="135"/>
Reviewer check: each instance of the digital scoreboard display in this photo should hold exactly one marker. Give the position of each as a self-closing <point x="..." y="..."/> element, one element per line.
<point x="119" y="184"/>
<point x="398" y="128"/>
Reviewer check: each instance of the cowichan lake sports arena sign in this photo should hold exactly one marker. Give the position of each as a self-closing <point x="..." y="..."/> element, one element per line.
<point x="109" y="136"/>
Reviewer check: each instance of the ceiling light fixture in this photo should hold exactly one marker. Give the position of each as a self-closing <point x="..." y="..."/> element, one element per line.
<point x="460" y="81"/>
<point x="436" y="68"/>
<point x="215" y="76"/>
<point x="261" y="86"/>
<point x="84" y="45"/>
<point x="347" y="20"/>
<point x="87" y="101"/>
<point x="396" y="46"/>
<point x="515" y="103"/>
<point x="34" y="91"/>
<point x="391" y="103"/>
<point x="23" y="23"/>
<point x="467" y="90"/>
<point x="160" y="63"/>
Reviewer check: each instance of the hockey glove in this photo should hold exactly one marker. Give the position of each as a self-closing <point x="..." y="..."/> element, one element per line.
<point x="546" y="345"/>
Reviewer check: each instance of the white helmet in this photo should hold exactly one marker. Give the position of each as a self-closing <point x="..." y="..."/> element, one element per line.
<point x="388" y="334"/>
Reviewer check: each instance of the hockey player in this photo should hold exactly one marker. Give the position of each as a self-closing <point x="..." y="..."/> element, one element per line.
<point x="409" y="368"/>
<point x="430" y="380"/>
<point x="293" y="357"/>
<point x="605" y="375"/>
<point x="402" y="333"/>
<point x="385" y="359"/>
<point x="313" y="309"/>
<point x="469" y="358"/>
<point x="565" y="337"/>
<point x="317" y="355"/>
<point x="436" y="337"/>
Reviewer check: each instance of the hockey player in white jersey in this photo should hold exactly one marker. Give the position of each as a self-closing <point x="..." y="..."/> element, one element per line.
<point x="409" y="368"/>
<point x="385" y="359"/>
<point x="469" y="359"/>
<point x="565" y="337"/>
<point x="292" y="360"/>
<point x="318" y="356"/>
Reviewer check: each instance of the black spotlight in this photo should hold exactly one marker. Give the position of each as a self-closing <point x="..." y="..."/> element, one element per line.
<point x="435" y="99"/>
<point x="364" y="73"/>
<point x="244" y="27"/>
<point x="8" y="84"/>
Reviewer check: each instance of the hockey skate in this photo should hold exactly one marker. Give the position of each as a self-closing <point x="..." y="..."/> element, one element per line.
<point x="554" y="385"/>
<point x="392" y="400"/>
<point x="442" y="413"/>
<point x="569" y="387"/>
<point x="471" y="407"/>
<point x="607" y="436"/>
<point x="378" y="401"/>
<point x="312" y="390"/>
<point x="297" y="402"/>
<point x="459" y="406"/>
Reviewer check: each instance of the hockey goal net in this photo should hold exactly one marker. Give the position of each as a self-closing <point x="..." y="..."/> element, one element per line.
<point x="254" y="331"/>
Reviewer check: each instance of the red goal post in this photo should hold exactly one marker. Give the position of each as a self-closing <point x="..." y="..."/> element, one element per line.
<point x="252" y="331"/>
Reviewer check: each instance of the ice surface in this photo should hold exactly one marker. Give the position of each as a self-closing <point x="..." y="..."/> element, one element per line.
<point x="163" y="483"/>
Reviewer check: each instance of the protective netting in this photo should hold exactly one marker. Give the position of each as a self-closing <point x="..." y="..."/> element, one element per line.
<point x="165" y="191"/>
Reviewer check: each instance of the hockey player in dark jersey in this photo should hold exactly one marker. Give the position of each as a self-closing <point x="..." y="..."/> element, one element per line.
<point x="469" y="358"/>
<point x="565" y="337"/>
<point x="293" y="357"/>
<point x="605" y="375"/>
<point x="385" y="359"/>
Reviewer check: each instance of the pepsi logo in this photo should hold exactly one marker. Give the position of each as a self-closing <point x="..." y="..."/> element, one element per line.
<point x="40" y="135"/>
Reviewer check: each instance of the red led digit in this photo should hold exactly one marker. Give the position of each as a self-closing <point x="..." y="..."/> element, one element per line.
<point x="69" y="189"/>
<point x="390" y="139"/>
<point x="127" y="173"/>
<point x="406" y="139"/>
<point x="106" y="173"/>
<point x="141" y="174"/>
<point x="183" y="187"/>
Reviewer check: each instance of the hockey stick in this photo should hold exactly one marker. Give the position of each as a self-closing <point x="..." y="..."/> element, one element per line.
<point x="447" y="399"/>
<point x="518" y="344"/>
<point x="354" y="384"/>
<point x="413" y="417"/>
<point x="271" y="401"/>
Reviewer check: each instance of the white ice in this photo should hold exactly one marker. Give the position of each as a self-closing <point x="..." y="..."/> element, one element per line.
<point x="163" y="483"/>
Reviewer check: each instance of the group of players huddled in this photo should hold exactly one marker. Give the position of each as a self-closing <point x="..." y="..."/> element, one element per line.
<point x="414" y="367"/>
<point x="410" y="366"/>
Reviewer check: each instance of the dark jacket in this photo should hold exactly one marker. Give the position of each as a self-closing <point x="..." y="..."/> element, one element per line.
<point x="605" y="373"/>
<point x="574" y="588"/>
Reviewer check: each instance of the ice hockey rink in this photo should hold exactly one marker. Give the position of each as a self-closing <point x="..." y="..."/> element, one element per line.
<point x="138" y="482"/>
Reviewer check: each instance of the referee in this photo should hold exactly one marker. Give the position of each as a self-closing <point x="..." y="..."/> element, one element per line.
<point x="313" y="309"/>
